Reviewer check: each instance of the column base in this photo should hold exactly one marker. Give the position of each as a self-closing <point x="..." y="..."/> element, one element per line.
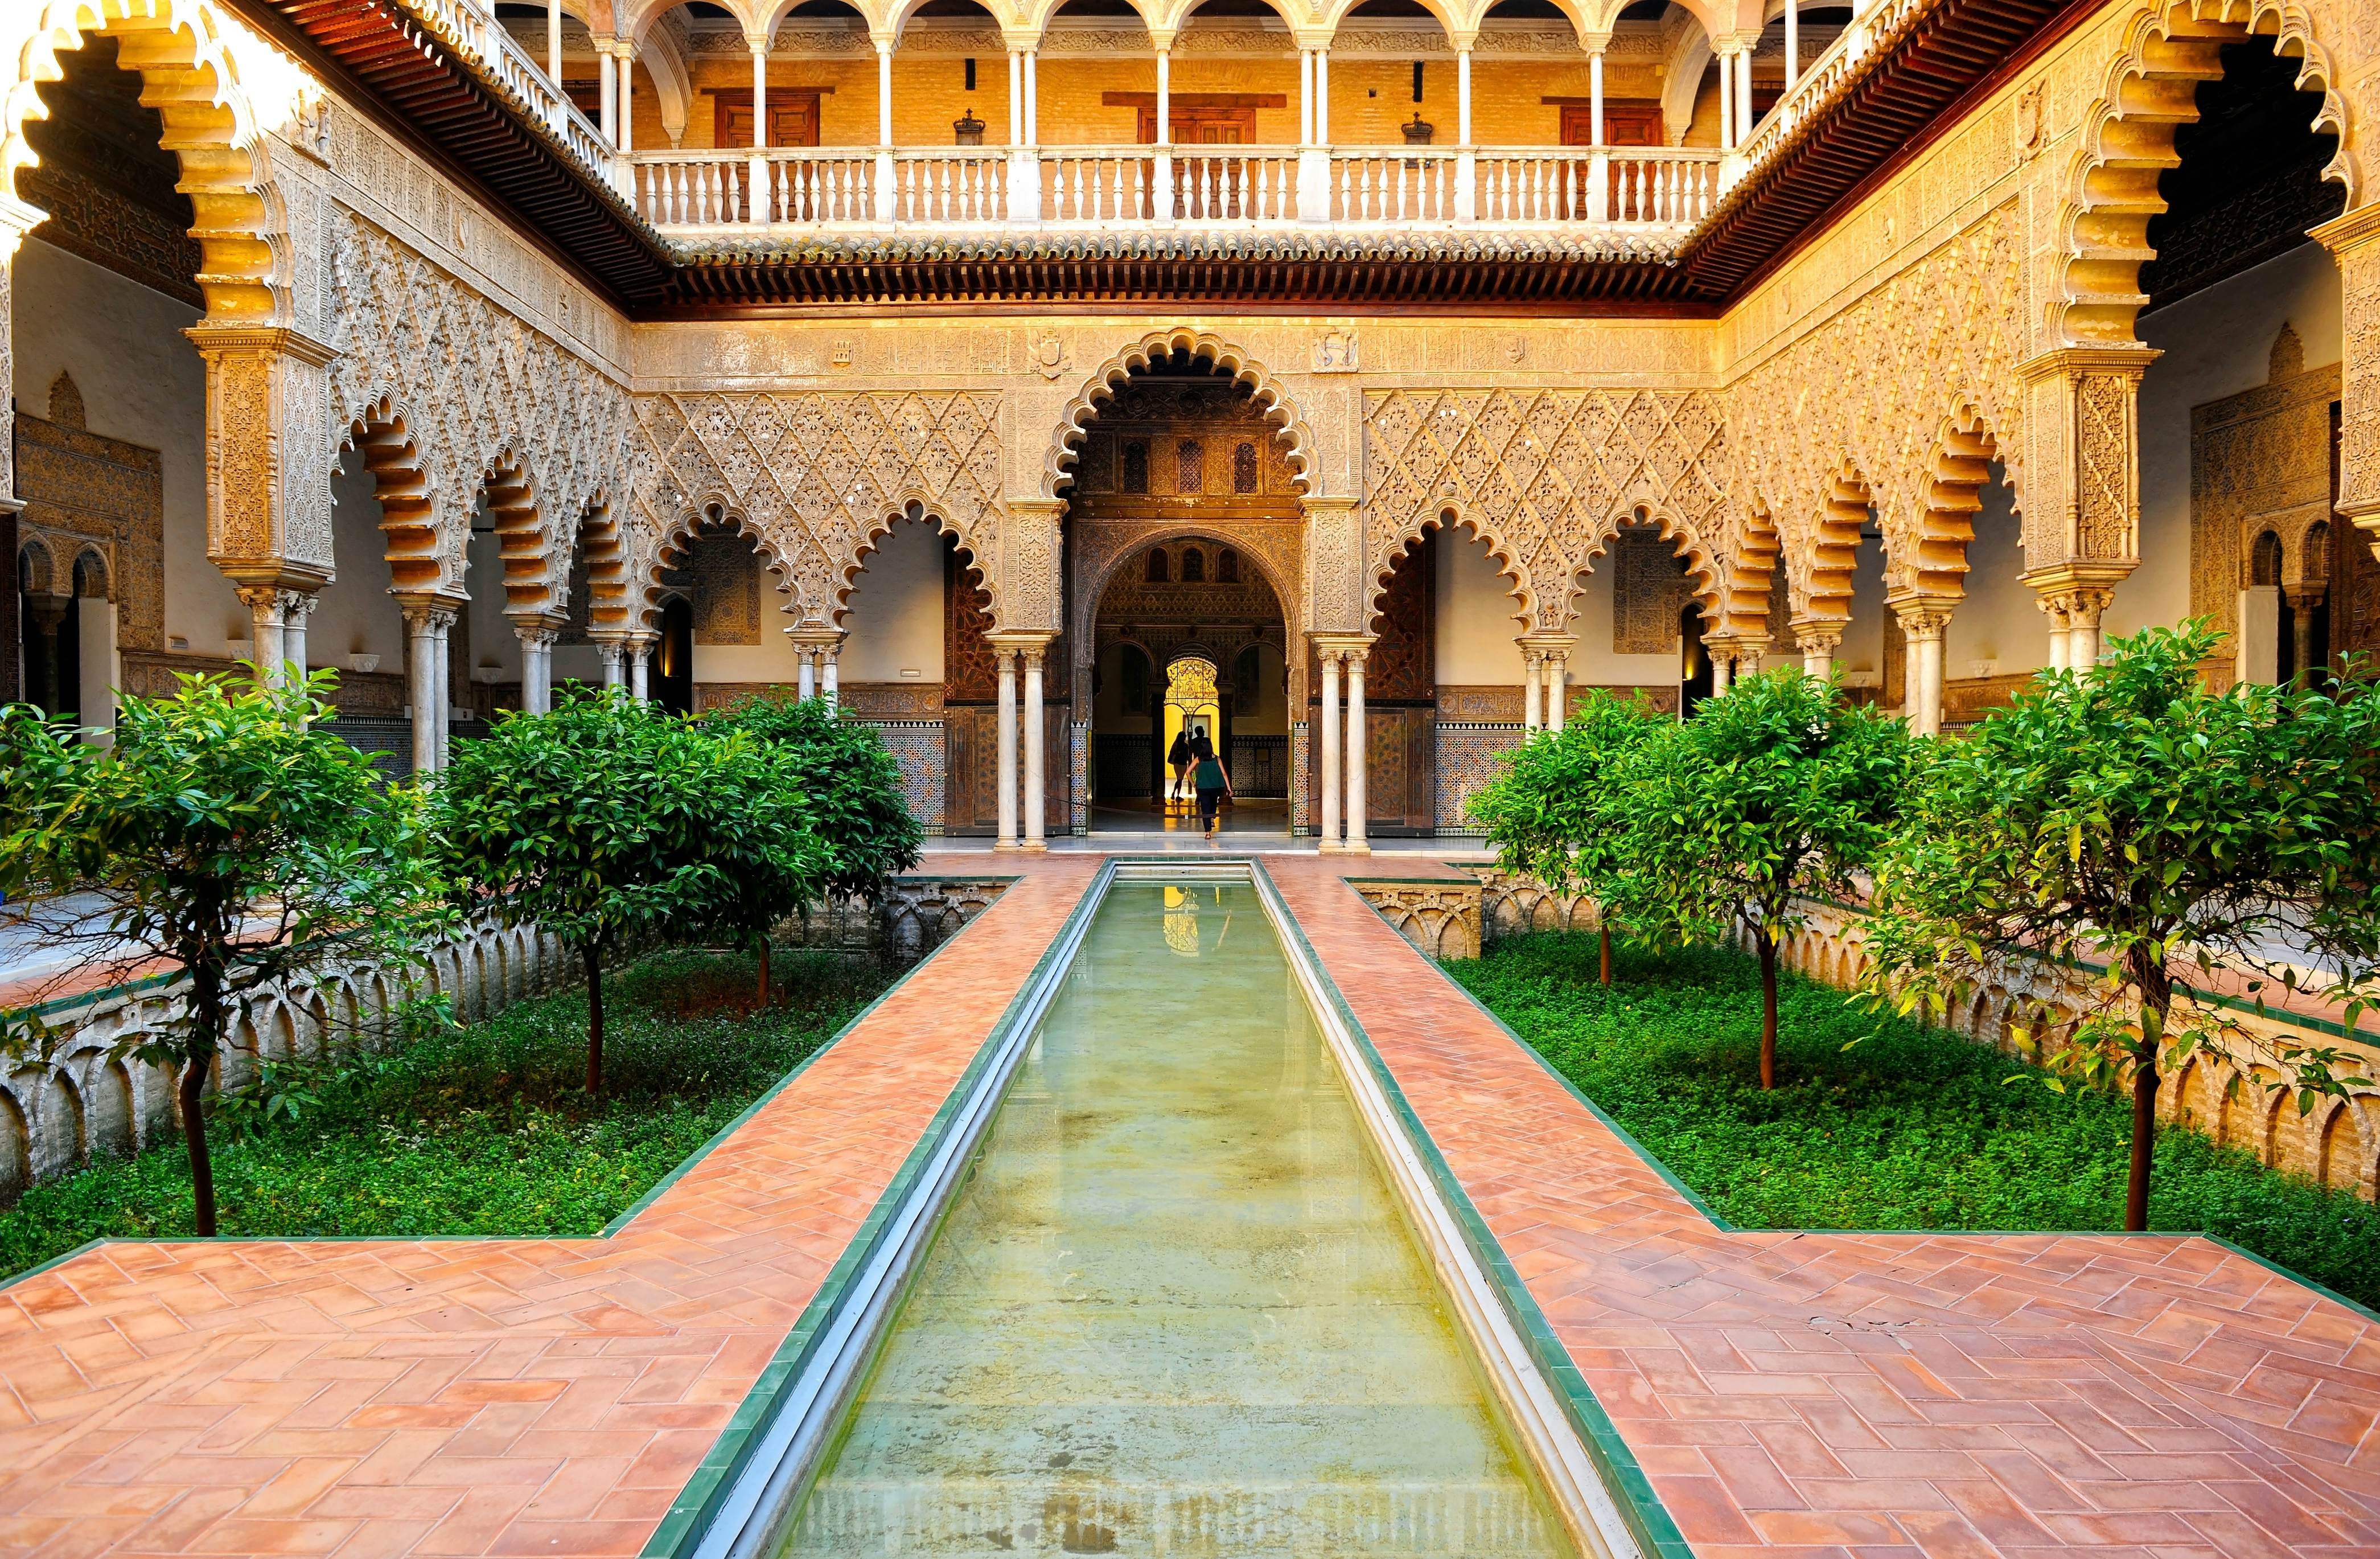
<point x="1009" y="845"/>
<point x="1035" y="844"/>
<point x="1331" y="846"/>
<point x="1358" y="849"/>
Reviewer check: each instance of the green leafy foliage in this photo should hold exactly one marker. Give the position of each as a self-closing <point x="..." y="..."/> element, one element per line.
<point x="481" y="1130"/>
<point x="850" y="784"/>
<point x="608" y="819"/>
<point x="220" y="838"/>
<point x="2132" y="820"/>
<point x="1911" y="1129"/>
<point x="1558" y="807"/>
<point x="1777" y="790"/>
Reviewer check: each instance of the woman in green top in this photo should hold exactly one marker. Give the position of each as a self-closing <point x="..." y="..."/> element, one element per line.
<point x="1213" y="783"/>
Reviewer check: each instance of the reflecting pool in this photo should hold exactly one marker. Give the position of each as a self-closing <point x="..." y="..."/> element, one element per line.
<point x="1176" y="1310"/>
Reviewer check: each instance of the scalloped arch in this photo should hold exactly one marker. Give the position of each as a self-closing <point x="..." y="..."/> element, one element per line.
<point x="1271" y="398"/>
<point x="182" y="51"/>
<point x="381" y="431"/>
<point x="1702" y="563"/>
<point x="668" y="551"/>
<point x="1951" y="494"/>
<point x="1833" y="550"/>
<point x="1450" y="515"/>
<point x="2127" y="141"/>
<point x="916" y="507"/>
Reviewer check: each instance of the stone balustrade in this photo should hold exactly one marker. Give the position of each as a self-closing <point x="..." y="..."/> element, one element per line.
<point x="787" y="191"/>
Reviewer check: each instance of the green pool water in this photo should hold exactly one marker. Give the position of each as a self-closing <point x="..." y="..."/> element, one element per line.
<point x="1176" y="1308"/>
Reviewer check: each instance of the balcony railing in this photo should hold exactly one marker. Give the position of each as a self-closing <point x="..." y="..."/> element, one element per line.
<point x="471" y="28"/>
<point x="784" y="190"/>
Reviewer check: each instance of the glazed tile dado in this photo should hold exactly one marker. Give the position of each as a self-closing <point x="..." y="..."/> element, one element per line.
<point x="1785" y="1394"/>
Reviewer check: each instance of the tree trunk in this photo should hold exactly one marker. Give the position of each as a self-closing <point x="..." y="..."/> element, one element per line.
<point x="1768" y="1007"/>
<point x="1603" y="933"/>
<point x="2156" y="1003"/>
<point x="592" y="957"/>
<point x="194" y="1137"/>
<point x="206" y="1009"/>
<point x="764" y="968"/>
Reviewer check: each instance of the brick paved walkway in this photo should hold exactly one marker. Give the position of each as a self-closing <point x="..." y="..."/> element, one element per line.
<point x="1819" y="1396"/>
<point x="1789" y="1395"/>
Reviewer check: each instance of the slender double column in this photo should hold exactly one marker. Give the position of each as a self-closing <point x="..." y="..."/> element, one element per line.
<point x="427" y="623"/>
<point x="1923" y="620"/>
<point x="1340" y="781"/>
<point x="1545" y="680"/>
<point x="1817" y="641"/>
<point x="1027" y="727"/>
<point x="537" y="636"/>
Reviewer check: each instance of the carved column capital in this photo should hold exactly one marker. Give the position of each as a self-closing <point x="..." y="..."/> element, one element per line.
<point x="2081" y="469"/>
<point x="1922" y="617"/>
<point x="1811" y="635"/>
<point x="268" y="448"/>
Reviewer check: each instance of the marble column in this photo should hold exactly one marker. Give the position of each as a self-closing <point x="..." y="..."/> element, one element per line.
<point x="1532" y="675"/>
<point x="2304" y="601"/>
<point x="1722" y="662"/>
<point x="1007" y="659"/>
<point x="425" y="627"/>
<point x="1818" y="645"/>
<point x="833" y="654"/>
<point x="1922" y="623"/>
<point x="1557" y="689"/>
<point x="804" y="678"/>
<point x="640" y="665"/>
<point x="297" y="605"/>
<point x="1358" y="750"/>
<point x="615" y="655"/>
<point x="264" y="614"/>
<point x="537" y="641"/>
<point x="1329" y="777"/>
<point x="1036" y="749"/>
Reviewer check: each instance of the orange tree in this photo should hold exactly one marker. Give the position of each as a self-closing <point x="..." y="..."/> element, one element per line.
<point x="1558" y="810"/>
<point x="1776" y="792"/>
<point x="2154" y="837"/>
<point x="608" y="820"/>
<point x="226" y="837"/>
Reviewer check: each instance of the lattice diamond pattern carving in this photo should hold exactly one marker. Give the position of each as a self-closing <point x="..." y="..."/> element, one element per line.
<point x="1548" y="474"/>
<point x="817" y="473"/>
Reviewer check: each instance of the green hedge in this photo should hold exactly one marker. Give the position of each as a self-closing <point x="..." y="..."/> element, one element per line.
<point x="1912" y="1129"/>
<point x="483" y="1130"/>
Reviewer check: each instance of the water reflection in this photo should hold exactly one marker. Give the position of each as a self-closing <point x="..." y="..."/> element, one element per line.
<point x="1176" y="1311"/>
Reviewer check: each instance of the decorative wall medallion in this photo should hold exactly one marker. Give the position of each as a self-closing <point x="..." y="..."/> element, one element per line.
<point x="1050" y="357"/>
<point x="840" y="354"/>
<point x="1335" y="352"/>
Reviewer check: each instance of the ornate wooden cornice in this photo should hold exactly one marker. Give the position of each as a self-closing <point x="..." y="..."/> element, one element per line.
<point x="474" y="130"/>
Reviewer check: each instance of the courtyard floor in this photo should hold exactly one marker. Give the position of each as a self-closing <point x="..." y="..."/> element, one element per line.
<point x="1789" y="1395"/>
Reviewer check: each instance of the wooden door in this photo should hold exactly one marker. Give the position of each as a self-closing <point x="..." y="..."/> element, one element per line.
<point x="792" y="117"/>
<point x="1627" y="121"/>
<point x="971" y="773"/>
<point x="1400" y="769"/>
<point x="1198" y="123"/>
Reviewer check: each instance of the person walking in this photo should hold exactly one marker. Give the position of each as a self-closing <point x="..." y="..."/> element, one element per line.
<point x="1177" y="757"/>
<point x="1214" y="784"/>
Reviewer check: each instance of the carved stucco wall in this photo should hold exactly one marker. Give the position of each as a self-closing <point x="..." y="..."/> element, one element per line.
<point x="1546" y="477"/>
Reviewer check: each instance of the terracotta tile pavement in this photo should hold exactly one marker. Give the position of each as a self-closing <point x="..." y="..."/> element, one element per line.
<point x="1791" y="1395"/>
<point x="1957" y="1395"/>
<point x="475" y="1395"/>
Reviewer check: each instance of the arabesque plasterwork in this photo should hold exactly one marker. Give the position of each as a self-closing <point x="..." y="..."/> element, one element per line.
<point x="474" y="387"/>
<point x="1546" y="477"/>
<point x="821" y="475"/>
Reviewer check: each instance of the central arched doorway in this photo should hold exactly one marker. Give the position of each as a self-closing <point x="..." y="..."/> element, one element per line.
<point x="1188" y="638"/>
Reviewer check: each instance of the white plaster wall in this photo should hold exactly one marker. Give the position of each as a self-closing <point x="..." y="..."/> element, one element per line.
<point x="141" y="381"/>
<point x="495" y="649"/>
<point x="1862" y="646"/>
<point x="2215" y="342"/>
<point x="1478" y="636"/>
<point x="895" y="619"/>
<point x="2000" y="619"/>
<point x="577" y="663"/>
<point x="1270" y="713"/>
<point x="772" y="660"/>
<point x="1593" y="663"/>
<point x="355" y="614"/>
